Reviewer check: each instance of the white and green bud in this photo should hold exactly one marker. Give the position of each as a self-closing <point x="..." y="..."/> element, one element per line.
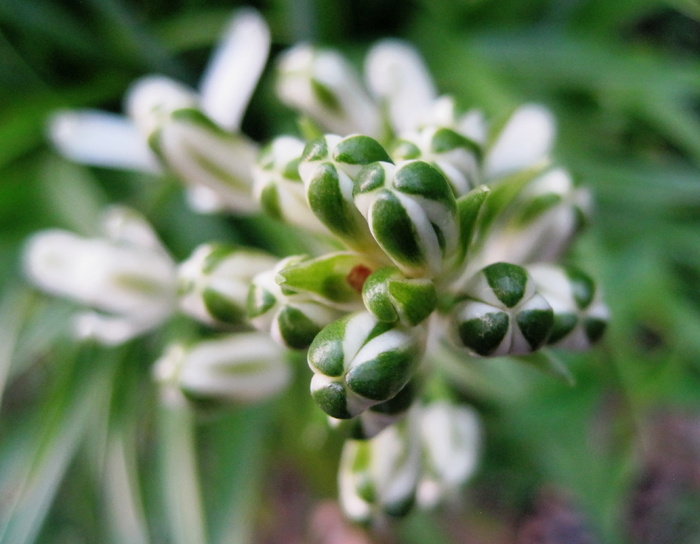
<point x="390" y="296"/>
<point x="334" y="279"/>
<point x="278" y="186"/>
<point x="378" y="417"/>
<point x="323" y="85"/>
<point x="292" y="319"/>
<point x="411" y="213"/>
<point x="378" y="477"/>
<point x="239" y="368"/>
<point x="214" y="282"/>
<point x="451" y="441"/>
<point x="127" y="276"/>
<point x="539" y="223"/>
<point x="502" y="313"/>
<point x="580" y="316"/>
<point x="328" y="167"/>
<point x="192" y="146"/>
<point x="454" y="155"/>
<point x="359" y="361"/>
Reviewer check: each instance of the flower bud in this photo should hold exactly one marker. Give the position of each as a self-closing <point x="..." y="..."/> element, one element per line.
<point x="278" y="186"/>
<point x="321" y="84"/>
<point x="580" y="317"/>
<point x="455" y="156"/>
<point x="391" y="297"/>
<point x="378" y="477"/>
<point x="411" y="213"/>
<point x="334" y="279"/>
<point x="192" y="146"/>
<point x="214" y="282"/>
<point x="539" y="224"/>
<point x="238" y="368"/>
<point x="450" y="437"/>
<point x="502" y="314"/>
<point x="292" y="319"/>
<point x="328" y="167"/>
<point x="127" y="276"/>
<point x="359" y="361"/>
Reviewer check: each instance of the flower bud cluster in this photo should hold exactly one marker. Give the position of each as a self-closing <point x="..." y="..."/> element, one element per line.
<point x="426" y="227"/>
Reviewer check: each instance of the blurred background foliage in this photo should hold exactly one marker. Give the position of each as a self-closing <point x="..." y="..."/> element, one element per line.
<point x="86" y="453"/>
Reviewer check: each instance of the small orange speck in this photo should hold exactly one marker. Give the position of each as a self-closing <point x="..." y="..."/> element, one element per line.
<point x="357" y="276"/>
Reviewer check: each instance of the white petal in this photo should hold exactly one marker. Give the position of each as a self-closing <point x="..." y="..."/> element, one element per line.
<point x="396" y="74"/>
<point x="152" y="98"/>
<point x="525" y="141"/>
<point x="235" y="68"/>
<point x="101" y="139"/>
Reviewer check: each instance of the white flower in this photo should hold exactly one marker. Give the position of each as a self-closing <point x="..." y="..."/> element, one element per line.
<point x="451" y="439"/>
<point x="242" y="368"/>
<point x="210" y="154"/>
<point x="379" y="476"/>
<point x="127" y="276"/>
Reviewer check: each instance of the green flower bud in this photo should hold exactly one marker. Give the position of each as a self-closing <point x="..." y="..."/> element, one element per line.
<point x="411" y="213"/>
<point x="327" y="168"/>
<point x="205" y="156"/>
<point x="502" y="313"/>
<point x="378" y="477"/>
<point x="214" y="282"/>
<point x="451" y="439"/>
<point x="335" y="279"/>
<point x="278" y="186"/>
<point x="455" y="156"/>
<point x="378" y="417"/>
<point x="359" y="361"/>
<point x="292" y="319"/>
<point x="238" y="368"/>
<point x="391" y="297"/>
<point x="580" y="317"/>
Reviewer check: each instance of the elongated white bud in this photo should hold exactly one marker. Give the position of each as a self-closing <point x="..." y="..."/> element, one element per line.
<point x="278" y="186"/>
<point x="378" y="477"/>
<point x="321" y="84"/>
<point x="238" y="368"/>
<point x="127" y="276"/>
<point x="451" y="441"/>
<point x="214" y="282"/>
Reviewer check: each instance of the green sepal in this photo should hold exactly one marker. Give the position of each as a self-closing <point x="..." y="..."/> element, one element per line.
<point x="390" y="297"/>
<point x="296" y="329"/>
<point x="507" y="281"/>
<point x="484" y="334"/>
<point x="547" y="362"/>
<point x="260" y="300"/>
<point x="222" y="308"/>
<point x="359" y="150"/>
<point x="469" y="208"/>
<point x="335" y="278"/>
